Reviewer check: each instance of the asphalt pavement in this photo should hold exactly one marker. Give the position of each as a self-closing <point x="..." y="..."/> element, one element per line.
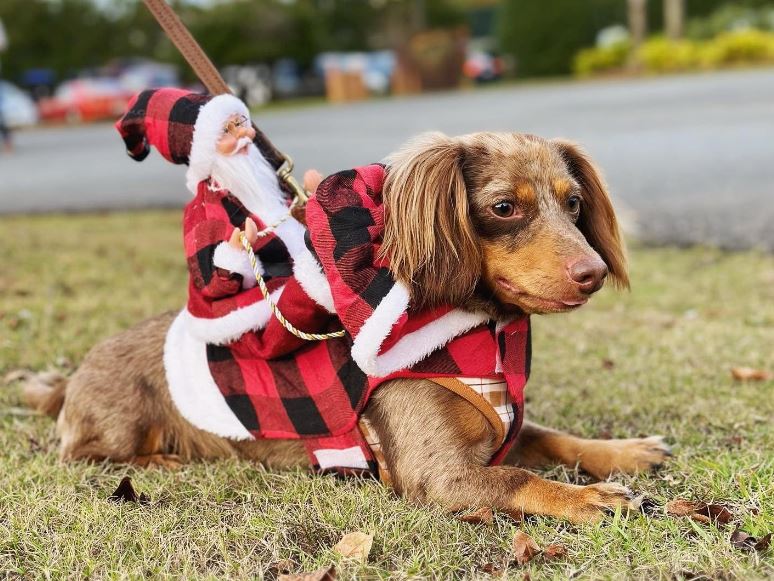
<point x="688" y="158"/>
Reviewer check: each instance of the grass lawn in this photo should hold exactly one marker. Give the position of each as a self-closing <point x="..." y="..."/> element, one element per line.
<point x="653" y="361"/>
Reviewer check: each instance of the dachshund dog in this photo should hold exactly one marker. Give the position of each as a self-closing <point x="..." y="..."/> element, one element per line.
<point x="498" y="222"/>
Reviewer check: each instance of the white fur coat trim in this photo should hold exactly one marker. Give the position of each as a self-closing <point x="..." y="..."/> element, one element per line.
<point x="306" y="268"/>
<point x="411" y="348"/>
<point x="230" y="327"/>
<point x="208" y="129"/>
<point x="191" y="386"/>
<point x="236" y="260"/>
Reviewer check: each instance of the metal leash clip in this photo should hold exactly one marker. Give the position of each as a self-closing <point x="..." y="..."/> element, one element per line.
<point x="285" y="173"/>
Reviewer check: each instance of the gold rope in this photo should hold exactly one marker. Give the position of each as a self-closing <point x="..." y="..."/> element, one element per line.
<point x="265" y="291"/>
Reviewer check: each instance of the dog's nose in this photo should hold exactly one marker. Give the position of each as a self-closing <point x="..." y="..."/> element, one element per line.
<point x="588" y="274"/>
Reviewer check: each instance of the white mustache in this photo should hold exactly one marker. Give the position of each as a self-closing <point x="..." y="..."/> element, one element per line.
<point x="240" y="144"/>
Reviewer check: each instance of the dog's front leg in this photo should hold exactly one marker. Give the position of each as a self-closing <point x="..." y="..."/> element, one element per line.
<point x="437" y="447"/>
<point x="539" y="446"/>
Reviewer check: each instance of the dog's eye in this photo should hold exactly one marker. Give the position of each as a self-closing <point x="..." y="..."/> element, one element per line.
<point x="503" y="209"/>
<point x="573" y="204"/>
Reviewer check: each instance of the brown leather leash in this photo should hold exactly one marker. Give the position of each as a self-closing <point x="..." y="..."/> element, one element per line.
<point x="214" y="83"/>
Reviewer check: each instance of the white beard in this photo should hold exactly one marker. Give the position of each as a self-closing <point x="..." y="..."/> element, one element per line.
<point x="251" y="179"/>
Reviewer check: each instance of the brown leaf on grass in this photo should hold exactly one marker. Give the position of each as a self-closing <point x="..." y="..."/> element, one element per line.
<point x="700" y="511"/>
<point x="126" y="493"/>
<point x="277" y="568"/>
<point x="681" y="507"/>
<point x="746" y="542"/>
<point x="608" y="363"/>
<point x="750" y="374"/>
<point x="483" y="516"/>
<point x="355" y="545"/>
<point x="516" y="515"/>
<point x="554" y="551"/>
<point x="322" y="574"/>
<point x="492" y="569"/>
<point x="524" y="548"/>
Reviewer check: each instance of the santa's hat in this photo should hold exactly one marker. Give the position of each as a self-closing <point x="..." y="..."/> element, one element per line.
<point x="183" y="126"/>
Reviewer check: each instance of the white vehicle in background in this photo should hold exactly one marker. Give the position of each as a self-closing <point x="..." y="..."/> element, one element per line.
<point x="17" y="108"/>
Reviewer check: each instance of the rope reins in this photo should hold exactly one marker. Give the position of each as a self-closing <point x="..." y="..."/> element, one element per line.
<point x="283" y="165"/>
<point x="272" y="305"/>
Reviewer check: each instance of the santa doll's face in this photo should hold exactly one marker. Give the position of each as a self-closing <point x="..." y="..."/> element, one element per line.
<point x="237" y="136"/>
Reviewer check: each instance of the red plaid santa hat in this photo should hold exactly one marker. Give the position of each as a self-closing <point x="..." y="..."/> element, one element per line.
<point x="183" y="126"/>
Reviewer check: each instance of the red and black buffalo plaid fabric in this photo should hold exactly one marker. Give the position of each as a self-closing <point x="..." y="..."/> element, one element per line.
<point x="317" y="391"/>
<point x="164" y="118"/>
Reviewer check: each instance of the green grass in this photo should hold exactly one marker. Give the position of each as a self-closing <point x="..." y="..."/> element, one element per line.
<point x="692" y="315"/>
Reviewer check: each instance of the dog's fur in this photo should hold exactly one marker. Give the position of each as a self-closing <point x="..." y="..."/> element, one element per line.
<point x="505" y="223"/>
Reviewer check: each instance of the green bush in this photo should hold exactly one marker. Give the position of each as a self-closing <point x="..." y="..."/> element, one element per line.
<point x="591" y="61"/>
<point x="661" y="55"/>
<point x="738" y="48"/>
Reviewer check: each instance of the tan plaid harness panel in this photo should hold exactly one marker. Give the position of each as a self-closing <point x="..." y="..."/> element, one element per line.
<point x="489" y="396"/>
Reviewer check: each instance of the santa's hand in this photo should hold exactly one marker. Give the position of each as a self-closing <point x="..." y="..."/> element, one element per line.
<point x="312" y="179"/>
<point x="251" y="233"/>
<point x="234" y="241"/>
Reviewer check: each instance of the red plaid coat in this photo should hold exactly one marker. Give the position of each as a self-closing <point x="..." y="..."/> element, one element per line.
<point x="276" y="386"/>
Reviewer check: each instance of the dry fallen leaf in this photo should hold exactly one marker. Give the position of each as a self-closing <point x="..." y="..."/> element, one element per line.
<point x="681" y="507"/>
<point x="750" y="374"/>
<point x="516" y="515"/>
<point x="322" y="574"/>
<point x="483" y="516"/>
<point x="746" y="542"/>
<point x="554" y="551"/>
<point x="700" y="511"/>
<point x="355" y="545"/>
<point x="524" y="548"/>
<point x="277" y="568"/>
<point x="126" y="493"/>
<point x="492" y="569"/>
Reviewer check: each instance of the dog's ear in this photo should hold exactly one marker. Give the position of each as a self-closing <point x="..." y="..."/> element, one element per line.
<point x="428" y="236"/>
<point x="597" y="221"/>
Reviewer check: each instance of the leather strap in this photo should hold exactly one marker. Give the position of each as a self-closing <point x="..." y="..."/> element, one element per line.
<point x="209" y="76"/>
<point x="188" y="47"/>
<point x="476" y="400"/>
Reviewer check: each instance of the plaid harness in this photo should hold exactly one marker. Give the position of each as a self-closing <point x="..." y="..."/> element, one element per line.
<point x="277" y="386"/>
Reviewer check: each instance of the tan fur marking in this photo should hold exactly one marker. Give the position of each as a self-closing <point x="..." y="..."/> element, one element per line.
<point x="526" y="193"/>
<point x="562" y="187"/>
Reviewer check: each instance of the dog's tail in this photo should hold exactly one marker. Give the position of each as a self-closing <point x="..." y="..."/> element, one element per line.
<point x="45" y="392"/>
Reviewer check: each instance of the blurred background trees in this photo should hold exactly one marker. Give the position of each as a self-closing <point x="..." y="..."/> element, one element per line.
<point x="537" y="37"/>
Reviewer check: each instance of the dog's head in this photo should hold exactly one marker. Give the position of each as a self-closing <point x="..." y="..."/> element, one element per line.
<point x="508" y="221"/>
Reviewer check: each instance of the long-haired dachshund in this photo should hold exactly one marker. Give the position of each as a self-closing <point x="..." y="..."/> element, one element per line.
<point x="500" y="222"/>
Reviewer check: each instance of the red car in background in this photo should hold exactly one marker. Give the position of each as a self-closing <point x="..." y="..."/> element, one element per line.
<point x="85" y="100"/>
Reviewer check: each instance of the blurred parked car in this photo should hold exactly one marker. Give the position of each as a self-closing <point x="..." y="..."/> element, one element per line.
<point x="481" y="66"/>
<point x="85" y="100"/>
<point x="18" y="109"/>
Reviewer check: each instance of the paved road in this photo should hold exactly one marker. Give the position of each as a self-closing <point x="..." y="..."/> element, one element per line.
<point x="690" y="158"/>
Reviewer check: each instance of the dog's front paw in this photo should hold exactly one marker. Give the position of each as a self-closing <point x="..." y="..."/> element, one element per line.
<point x="591" y="503"/>
<point x="601" y="458"/>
